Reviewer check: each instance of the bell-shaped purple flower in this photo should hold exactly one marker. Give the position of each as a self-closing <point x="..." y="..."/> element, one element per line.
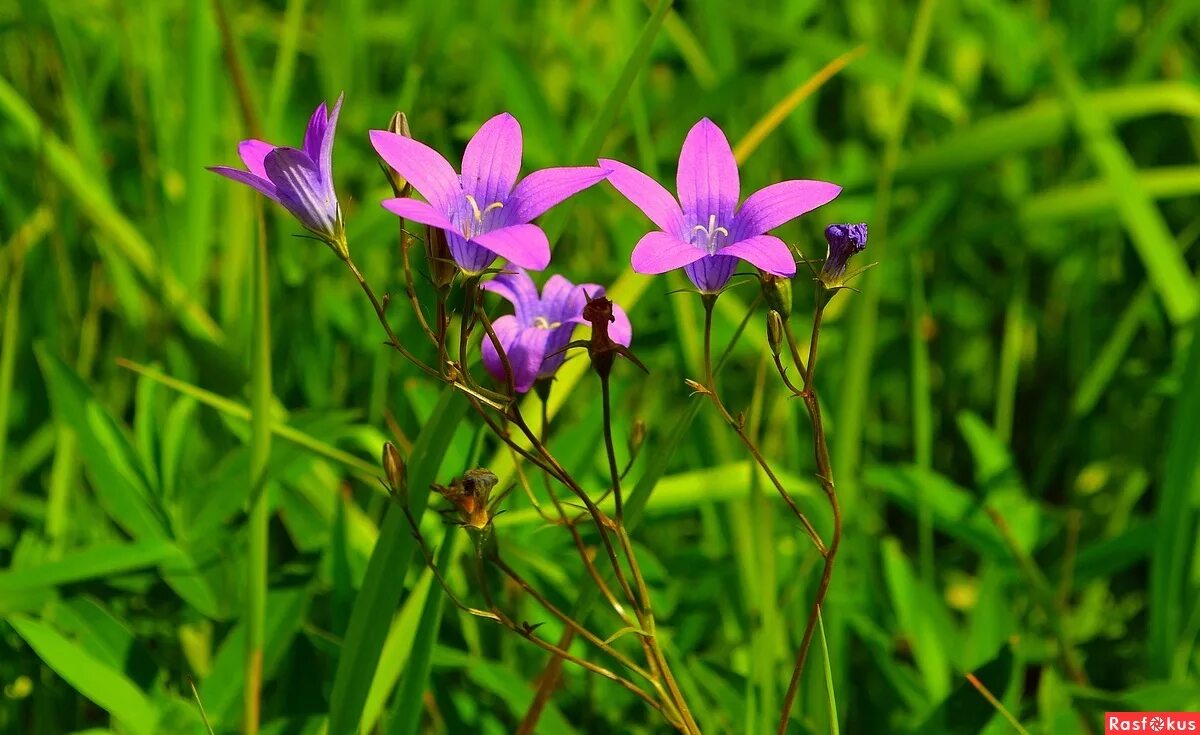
<point x="485" y="212"/>
<point x="844" y="241"/>
<point x="705" y="232"/>
<point x="535" y="335"/>
<point x="301" y="179"/>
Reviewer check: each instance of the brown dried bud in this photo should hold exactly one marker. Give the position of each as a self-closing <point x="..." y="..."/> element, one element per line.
<point x="774" y="331"/>
<point x="469" y="495"/>
<point x="400" y="186"/>
<point x="395" y="470"/>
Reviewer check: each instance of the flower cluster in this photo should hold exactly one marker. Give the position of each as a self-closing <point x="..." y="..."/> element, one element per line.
<point x="485" y="211"/>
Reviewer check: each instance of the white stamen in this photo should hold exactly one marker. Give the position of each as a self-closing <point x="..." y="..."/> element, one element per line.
<point x="477" y="214"/>
<point x="710" y="233"/>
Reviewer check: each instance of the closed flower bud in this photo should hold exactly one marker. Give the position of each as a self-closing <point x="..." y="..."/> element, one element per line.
<point x="394" y="469"/>
<point x="777" y="290"/>
<point x="400" y="186"/>
<point x="442" y="268"/>
<point x="774" y="331"/>
<point x="844" y="241"/>
<point x="637" y="437"/>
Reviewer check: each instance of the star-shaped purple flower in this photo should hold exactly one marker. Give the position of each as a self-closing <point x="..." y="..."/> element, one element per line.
<point x="534" y="336"/>
<point x="705" y="232"/>
<point x="484" y="212"/>
<point x="301" y="179"/>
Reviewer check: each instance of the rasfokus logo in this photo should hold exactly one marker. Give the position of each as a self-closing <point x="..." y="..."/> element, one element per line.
<point x="1151" y="722"/>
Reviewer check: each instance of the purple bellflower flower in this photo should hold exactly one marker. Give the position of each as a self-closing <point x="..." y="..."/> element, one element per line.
<point x="844" y="241"/>
<point x="705" y="232"/>
<point x="535" y="336"/>
<point x="301" y="179"/>
<point x="484" y="212"/>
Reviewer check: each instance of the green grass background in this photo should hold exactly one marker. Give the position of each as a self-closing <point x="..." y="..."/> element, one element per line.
<point x="1024" y="349"/>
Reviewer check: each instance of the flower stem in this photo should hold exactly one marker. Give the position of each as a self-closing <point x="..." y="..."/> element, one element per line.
<point x="258" y="521"/>
<point x="381" y="314"/>
<point x="710" y="387"/>
<point x="825" y="475"/>
<point x="613" y="470"/>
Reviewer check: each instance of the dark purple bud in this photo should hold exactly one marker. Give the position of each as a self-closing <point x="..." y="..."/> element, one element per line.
<point x="844" y="241"/>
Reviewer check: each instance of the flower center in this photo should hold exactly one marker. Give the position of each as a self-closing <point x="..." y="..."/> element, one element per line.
<point x="475" y="224"/>
<point x="712" y="233"/>
<point x="541" y="322"/>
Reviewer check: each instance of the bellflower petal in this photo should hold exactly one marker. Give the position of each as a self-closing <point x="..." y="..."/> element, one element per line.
<point x="253" y="152"/>
<point x="260" y="184"/>
<point x="301" y="190"/>
<point x="470" y="256"/>
<point x="411" y="209"/>
<point x="707" y="179"/>
<point x="519" y="289"/>
<point x="562" y="300"/>
<point x="423" y="167"/>
<point x="541" y="190"/>
<point x="525" y="349"/>
<point x="659" y="252"/>
<point x="647" y="195"/>
<point x="768" y="208"/>
<point x="764" y="251"/>
<point x="711" y="272"/>
<point x="492" y="159"/>
<point x="314" y="134"/>
<point x="522" y="245"/>
<point x="324" y="158"/>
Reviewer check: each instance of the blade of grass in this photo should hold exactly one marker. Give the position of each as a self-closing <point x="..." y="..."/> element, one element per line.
<point x="852" y="400"/>
<point x="834" y="727"/>
<point x="258" y="522"/>
<point x="408" y="702"/>
<point x="991" y="698"/>
<point x="122" y="234"/>
<point x="364" y="470"/>
<point x="777" y="114"/>
<point x="384" y="582"/>
<point x="592" y="144"/>
<point x="1093" y="198"/>
<point x="1151" y="237"/>
<point x="107" y="687"/>
<point x="1176" y="520"/>
<point x="93" y="562"/>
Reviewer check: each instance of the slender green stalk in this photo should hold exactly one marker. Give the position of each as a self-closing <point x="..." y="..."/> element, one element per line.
<point x="259" y="519"/>
<point x="8" y="352"/>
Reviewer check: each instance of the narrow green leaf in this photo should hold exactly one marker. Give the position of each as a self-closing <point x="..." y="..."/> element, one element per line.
<point x="1151" y="237"/>
<point x="109" y="457"/>
<point x="1171" y="582"/>
<point x="107" y="687"/>
<point x="379" y="597"/>
<point x="407" y="704"/>
<point x="93" y="562"/>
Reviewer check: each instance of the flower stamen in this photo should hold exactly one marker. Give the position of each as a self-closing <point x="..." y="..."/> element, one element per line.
<point x="710" y="233"/>
<point x="541" y="322"/>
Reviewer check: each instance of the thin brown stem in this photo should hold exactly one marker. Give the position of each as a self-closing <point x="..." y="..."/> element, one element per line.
<point x="410" y="288"/>
<point x="710" y="387"/>
<point x="381" y="314"/>
<point x="825" y="475"/>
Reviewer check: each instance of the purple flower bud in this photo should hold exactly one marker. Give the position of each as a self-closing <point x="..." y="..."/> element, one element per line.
<point x="844" y="241"/>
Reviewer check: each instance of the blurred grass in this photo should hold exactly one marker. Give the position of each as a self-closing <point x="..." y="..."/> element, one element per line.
<point x="1025" y="347"/>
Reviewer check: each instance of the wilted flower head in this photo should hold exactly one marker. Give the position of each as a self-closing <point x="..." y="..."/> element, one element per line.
<point x="484" y="212"/>
<point x="301" y="179"/>
<point x="469" y="495"/>
<point x="541" y="326"/>
<point x="705" y="232"/>
<point x="844" y="241"/>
